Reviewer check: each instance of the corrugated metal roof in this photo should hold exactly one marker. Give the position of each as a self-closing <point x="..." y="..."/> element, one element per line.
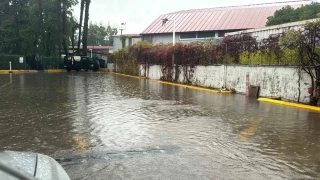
<point x="94" y="47"/>
<point x="215" y="19"/>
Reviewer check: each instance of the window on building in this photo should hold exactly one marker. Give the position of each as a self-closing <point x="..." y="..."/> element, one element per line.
<point x="221" y="34"/>
<point x="205" y="34"/>
<point x="188" y="35"/>
<point x="147" y="38"/>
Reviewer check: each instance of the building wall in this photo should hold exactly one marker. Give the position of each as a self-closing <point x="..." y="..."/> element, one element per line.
<point x="117" y="43"/>
<point x="164" y="38"/>
<point x="167" y="38"/>
<point x="273" y="81"/>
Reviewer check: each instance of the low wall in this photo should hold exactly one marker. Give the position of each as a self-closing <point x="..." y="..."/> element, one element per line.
<point x="274" y="81"/>
<point x="110" y="67"/>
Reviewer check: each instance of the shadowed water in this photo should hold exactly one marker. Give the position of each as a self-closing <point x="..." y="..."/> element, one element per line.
<point x="104" y="126"/>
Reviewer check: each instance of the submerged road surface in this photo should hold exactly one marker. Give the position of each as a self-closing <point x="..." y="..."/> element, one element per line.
<point x="105" y="126"/>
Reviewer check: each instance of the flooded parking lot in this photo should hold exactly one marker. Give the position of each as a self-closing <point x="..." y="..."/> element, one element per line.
<point x="105" y="126"/>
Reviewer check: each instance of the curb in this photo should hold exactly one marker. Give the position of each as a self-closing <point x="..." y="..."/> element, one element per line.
<point x="13" y="71"/>
<point x="137" y="77"/>
<point x="303" y="106"/>
<point x="104" y="69"/>
<point x="193" y="87"/>
<point x="56" y="70"/>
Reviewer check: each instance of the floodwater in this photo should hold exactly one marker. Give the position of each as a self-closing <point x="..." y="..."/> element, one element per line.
<point x="105" y="126"/>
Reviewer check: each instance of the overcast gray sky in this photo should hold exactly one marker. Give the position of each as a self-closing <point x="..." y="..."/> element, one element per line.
<point x="138" y="14"/>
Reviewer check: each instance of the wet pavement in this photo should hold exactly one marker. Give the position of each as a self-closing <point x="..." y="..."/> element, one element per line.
<point x="105" y="126"/>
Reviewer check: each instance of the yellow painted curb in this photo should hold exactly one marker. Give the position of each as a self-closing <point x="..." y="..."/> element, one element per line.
<point x="56" y="70"/>
<point x="290" y="104"/>
<point x="192" y="87"/>
<point x="13" y="71"/>
<point x="138" y="77"/>
<point x="103" y="69"/>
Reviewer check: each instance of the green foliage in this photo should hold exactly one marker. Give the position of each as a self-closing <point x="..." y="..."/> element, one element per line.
<point x="288" y="14"/>
<point x="5" y="59"/>
<point x="289" y="57"/>
<point x="123" y="39"/>
<point x="51" y="63"/>
<point x="33" y="28"/>
<point x="125" y="63"/>
<point x="128" y="59"/>
<point x="101" y="35"/>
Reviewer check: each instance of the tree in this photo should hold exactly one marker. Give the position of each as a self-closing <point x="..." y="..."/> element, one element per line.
<point x="307" y="44"/>
<point x="85" y="27"/>
<point x="284" y="15"/>
<point x="100" y="34"/>
<point x="80" y="24"/>
<point x="289" y="14"/>
<point x="35" y="28"/>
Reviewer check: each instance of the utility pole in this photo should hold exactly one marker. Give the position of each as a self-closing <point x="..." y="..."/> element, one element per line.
<point x="122" y="27"/>
<point x="164" y="21"/>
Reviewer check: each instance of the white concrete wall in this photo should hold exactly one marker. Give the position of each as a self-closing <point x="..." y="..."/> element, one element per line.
<point x="110" y="67"/>
<point x="273" y="81"/>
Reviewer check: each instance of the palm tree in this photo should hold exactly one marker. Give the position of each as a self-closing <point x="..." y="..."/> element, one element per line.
<point x="80" y="24"/>
<point x="85" y="27"/>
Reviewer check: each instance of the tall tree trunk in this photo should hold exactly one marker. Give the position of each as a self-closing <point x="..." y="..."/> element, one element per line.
<point x="85" y="28"/>
<point x="42" y="43"/>
<point x="80" y="24"/>
<point x="64" y="27"/>
<point x="16" y="49"/>
<point x="73" y="31"/>
<point x="59" y="26"/>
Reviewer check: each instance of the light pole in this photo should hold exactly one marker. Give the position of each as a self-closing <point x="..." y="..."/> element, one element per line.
<point x="164" y="21"/>
<point x="122" y="27"/>
<point x="91" y="53"/>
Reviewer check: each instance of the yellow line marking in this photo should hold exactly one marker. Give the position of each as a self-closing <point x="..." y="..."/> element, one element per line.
<point x="315" y="108"/>
<point x="13" y="71"/>
<point x="103" y="69"/>
<point x="56" y="70"/>
<point x="5" y="84"/>
<point x="138" y="77"/>
<point x="81" y="143"/>
<point x="59" y="91"/>
<point x="192" y="87"/>
<point x="65" y="104"/>
<point x="250" y="130"/>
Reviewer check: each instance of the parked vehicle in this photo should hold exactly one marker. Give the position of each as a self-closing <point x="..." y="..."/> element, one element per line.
<point x="30" y="166"/>
<point x="78" y="63"/>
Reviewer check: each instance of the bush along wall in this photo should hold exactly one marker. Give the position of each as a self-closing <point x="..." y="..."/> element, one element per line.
<point x="15" y="64"/>
<point x="29" y="62"/>
<point x="182" y="58"/>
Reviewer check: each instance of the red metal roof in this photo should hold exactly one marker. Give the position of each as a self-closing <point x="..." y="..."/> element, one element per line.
<point x="94" y="47"/>
<point x="215" y="19"/>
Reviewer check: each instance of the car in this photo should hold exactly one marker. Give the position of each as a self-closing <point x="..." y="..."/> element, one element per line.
<point x="29" y="166"/>
<point x="80" y="62"/>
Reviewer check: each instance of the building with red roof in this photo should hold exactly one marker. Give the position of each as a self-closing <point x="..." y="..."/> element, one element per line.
<point x="201" y="24"/>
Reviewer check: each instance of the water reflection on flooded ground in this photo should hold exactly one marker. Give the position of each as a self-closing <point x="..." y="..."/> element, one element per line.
<point x="104" y="126"/>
